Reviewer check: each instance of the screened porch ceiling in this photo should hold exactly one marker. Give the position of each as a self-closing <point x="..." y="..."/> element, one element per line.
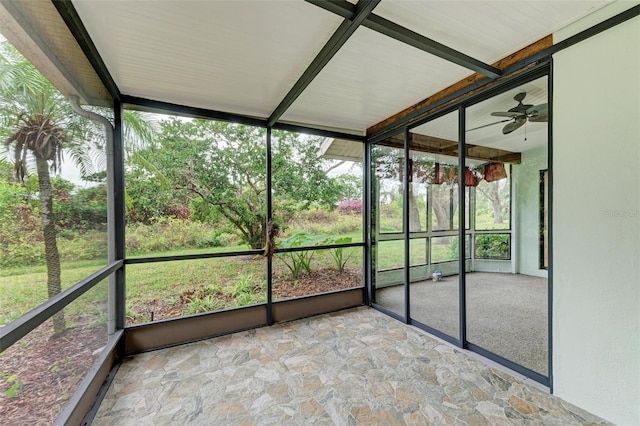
<point x="338" y="65"/>
<point x="244" y="57"/>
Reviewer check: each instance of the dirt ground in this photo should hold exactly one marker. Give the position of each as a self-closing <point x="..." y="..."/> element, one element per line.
<point x="40" y="373"/>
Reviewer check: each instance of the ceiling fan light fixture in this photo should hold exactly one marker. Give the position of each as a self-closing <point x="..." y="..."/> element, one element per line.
<point x="514" y="125"/>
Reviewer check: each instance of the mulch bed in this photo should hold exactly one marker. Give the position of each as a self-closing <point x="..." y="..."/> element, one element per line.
<point x="47" y="370"/>
<point x="317" y="281"/>
<point x="284" y="287"/>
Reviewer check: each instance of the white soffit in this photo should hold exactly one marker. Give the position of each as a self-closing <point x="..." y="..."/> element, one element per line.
<point x="234" y="56"/>
<point x="486" y="30"/>
<point x="371" y="78"/>
<point x="36" y="29"/>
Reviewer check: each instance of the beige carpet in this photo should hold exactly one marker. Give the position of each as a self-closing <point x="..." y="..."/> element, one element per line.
<point x="506" y="313"/>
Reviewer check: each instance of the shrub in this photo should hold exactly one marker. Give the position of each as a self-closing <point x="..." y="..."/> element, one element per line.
<point x="297" y="261"/>
<point x="492" y="246"/>
<point x="324" y="222"/>
<point x="199" y="305"/>
<point x="353" y="207"/>
<point x="164" y="234"/>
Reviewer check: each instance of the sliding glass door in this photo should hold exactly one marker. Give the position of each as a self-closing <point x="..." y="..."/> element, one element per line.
<point x="461" y="249"/>
<point x="507" y="288"/>
<point x="434" y="241"/>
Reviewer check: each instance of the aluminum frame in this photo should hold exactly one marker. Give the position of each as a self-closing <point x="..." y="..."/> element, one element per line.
<point x="539" y="71"/>
<point x="337" y="40"/>
<point x="31" y="320"/>
<point x="404" y="35"/>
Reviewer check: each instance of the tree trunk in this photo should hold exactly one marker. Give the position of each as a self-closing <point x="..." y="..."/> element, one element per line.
<point x="441" y="207"/>
<point x="414" y="214"/>
<point x="496" y="203"/>
<point x="51" y="254"/>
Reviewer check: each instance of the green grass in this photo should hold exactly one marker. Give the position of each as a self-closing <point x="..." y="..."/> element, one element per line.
<point x="390" y="254"/>
<point x="167" y="280"/>
<point x="484" y="221"/>
<point x="22" y="289"/>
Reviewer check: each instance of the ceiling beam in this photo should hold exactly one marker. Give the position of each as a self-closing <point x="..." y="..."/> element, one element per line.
<point x="412" y="38"/>
<point x="449" y="148"/>
<point x="511" y="65"/>
<point x="362" y="10"/>
<point x="462" y="89"/>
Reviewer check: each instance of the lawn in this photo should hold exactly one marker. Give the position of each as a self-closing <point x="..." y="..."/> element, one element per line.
<point x="24" y="288"/>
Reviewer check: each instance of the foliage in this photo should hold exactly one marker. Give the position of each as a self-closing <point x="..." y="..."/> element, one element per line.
<point x="321" y="221"/>
<point x="166" y="233"/>
<point x="79" y="208"/>
<point x="246" y="292"/>
<point x="492" y="246"/>
<point x="149" y="198"/>
<point x="212" y="297"/>
<point x="219" y="170"/>
<point x="206" y="303"/>
<point x="338" y="254"/>
<point x="298" y="261"/>
<point x="14" y="383"/>
<point x="351" y="206"/>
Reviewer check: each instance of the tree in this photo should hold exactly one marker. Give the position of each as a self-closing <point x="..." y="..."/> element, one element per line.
<point x="33" y="108"/>
<point x="224" y="165"/>
<point x="43" y="127"/>
<point x="495" y="192"/>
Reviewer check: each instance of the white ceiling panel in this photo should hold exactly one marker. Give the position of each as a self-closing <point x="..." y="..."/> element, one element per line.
<point x="371" y="78"/>
<point x="233" y="56"/>
<point x="486" y="30"/>
<point x="243" y="56"/>
<point x="527" y="137"/>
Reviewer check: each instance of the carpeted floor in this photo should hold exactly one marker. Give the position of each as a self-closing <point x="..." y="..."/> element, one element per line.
<point x="506" y="313"/>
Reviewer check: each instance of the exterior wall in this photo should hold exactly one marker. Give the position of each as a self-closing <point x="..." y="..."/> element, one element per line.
<point x="596" y="213"/>
<point x="526" y="190"/>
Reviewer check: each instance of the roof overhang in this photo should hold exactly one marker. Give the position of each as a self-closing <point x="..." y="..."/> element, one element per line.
<point x="36" y="29"/>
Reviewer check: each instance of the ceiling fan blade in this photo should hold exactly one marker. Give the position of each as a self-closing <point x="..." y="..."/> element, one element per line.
<point x="490" y="124"/>
<point x="513" y="126"/>
<point x="538" y="113"/>
<point x="510" y="114"/>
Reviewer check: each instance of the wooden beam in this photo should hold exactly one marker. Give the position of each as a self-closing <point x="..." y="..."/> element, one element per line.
<point x="447" y="147"/>
<point x="502" y="64"/>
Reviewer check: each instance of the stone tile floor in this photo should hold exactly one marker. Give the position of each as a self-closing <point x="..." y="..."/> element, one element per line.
<point x="352" y="367"/>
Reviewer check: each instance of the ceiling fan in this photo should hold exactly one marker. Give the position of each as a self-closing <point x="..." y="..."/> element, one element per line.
<point x="519" y="114"/>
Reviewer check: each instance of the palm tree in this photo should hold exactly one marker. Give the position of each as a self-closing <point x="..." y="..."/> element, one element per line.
<point x="43" y="128"/>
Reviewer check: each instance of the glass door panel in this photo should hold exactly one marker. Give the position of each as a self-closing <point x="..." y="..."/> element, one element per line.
<point x="434" y="288"/>
<point x="506" y="288"/>
<point x="387" y="176"/>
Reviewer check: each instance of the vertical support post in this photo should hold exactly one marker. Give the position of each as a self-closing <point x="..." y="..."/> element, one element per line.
<point x="367" y="229"/>
<point x="462" y="241"/>
<point x="405" y="220"/>
<point x="119" y="203"/>
<point x="269" y="219"/>
<point x="472" y="226"/>
<point x="513" y="222"/>
<point x="550" y="225"/>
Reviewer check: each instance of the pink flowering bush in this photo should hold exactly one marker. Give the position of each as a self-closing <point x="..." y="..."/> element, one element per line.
<point x="353" y="206"/>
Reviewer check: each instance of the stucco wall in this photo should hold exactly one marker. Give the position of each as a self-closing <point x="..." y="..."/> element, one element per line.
<point x="526" y="190"/>
<point x="596" y="299"/>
